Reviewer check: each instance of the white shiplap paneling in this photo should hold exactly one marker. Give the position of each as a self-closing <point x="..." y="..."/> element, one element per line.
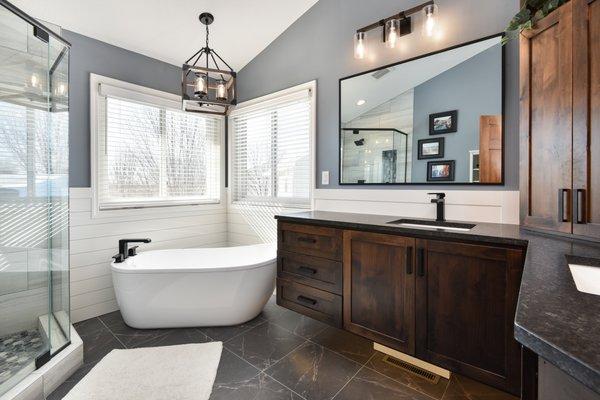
<point x="93" y="241"/>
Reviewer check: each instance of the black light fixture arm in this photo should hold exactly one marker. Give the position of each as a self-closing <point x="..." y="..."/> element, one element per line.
<point x="401" y="15"/>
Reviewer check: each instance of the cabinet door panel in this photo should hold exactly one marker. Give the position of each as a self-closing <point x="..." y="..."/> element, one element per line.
<point x="466" y="300"/>
<point x="379" y="288"/>
<point x="546" y="122"/>
<point x="586" y="118"/>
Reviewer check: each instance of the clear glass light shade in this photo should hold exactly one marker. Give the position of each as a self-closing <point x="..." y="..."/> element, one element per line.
<point x="360" y="45"/>
<point x="430" y="20"/>
<point x="392" y="33"/>
<point x="200" y="86"/>
<point x="221" y="90"/>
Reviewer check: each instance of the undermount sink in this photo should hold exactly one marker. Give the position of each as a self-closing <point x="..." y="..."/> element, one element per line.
<point x="586" y="274"/>
<point x="419" y="223"/>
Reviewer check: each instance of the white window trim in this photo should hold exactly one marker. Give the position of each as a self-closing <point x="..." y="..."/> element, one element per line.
<point x="260" y="101"/>
<point x="147" y="95"/>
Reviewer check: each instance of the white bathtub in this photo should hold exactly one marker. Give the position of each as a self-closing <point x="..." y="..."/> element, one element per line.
<point x="195" y="287"/>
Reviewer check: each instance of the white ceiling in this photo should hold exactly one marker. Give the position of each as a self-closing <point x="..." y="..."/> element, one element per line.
<point x="170" y="30"/>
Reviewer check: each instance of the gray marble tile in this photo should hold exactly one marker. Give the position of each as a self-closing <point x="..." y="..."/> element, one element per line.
<point x="232" y="372"/>
<point x="264" y="345"/>
<point x="299" y="324"/>
<point x="98" y="344"/>
<point x="89" y="327"/>
<point x="170" y="337"/>
<point x="371" y="385"/>
<point x="272" y="311"/>
<point x="313" y="371"/>
<point x="224" y="333"/>
<point x="463" y="388"/>
<point x="260" y="387"/>
<point x="413" y="381"/>
<point x="345" y="343"/>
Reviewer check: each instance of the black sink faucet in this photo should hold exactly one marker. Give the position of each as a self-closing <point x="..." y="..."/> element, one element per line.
<point x="440" y="202"/>
<point x="124" y="252"/>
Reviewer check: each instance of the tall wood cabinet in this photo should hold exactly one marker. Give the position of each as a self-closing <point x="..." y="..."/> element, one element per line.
<point x="560" y="121"/>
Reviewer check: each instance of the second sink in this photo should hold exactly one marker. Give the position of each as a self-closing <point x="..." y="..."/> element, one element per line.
<point x="419" y="223"/>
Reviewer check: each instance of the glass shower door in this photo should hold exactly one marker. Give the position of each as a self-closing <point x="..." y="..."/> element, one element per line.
<point x="34" y="290"/>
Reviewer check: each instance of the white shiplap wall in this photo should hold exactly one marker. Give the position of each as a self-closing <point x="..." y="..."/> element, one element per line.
<point x="93" y="241"/>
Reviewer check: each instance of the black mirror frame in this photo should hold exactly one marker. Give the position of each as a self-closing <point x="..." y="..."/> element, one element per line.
<point x="503" y="78"/>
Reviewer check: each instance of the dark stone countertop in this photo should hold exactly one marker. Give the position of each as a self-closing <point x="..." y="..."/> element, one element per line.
<point x="553" y="318"/>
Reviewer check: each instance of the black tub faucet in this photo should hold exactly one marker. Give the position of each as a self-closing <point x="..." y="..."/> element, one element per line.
<point x="124" y="252"/>
<point x="440" y="202"/>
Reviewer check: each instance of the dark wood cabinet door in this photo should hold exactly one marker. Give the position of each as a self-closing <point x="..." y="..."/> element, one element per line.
<point x="466" y="297"/>
<point x="546" y="122"/>
<point x="379" y="288"/>
<point x="586" y="118"/>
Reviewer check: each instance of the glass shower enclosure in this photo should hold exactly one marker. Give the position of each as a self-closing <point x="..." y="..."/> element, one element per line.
<point x="34" y="195"/>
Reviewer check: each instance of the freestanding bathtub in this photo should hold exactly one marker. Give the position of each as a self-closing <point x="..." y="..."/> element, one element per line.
<point x="195" y="287"/>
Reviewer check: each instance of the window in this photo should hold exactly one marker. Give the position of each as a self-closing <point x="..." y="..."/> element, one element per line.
<point x="271" y="157"/>
<point x="151" y="154"/>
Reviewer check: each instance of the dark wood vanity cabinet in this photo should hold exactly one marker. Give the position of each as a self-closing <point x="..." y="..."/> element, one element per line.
<point x="466" y="297"/>
<point x="560" y="123"/>
<point x="448" y="303"/>
<point x="379" y="288"/>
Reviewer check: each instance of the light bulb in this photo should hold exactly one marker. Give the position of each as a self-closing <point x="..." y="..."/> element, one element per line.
<point x="34" y="80"/>
<point x="221" y="90"/>
<point x="392" y="29"/>
<point x="430" y="14"/>
<point x="61" y="89"/>
<point x="361" y="102"/>
<point x="360" y="48"/>
<point x="200" y="86"/>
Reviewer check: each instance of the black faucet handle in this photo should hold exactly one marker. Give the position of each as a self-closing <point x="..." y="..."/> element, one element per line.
<point x="439" y="195"/>
<point x="132" y="251"/>
<point x="119" y="258"/>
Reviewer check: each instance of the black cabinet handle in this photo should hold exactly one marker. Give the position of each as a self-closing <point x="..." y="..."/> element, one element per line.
<point x="579" y="206"/>
<point x="421" y="255"/>
<point x="307" y="239"/>
<point x="306" y="270"/>
<point x="563" y="205"/>
<point x="409" y="258"/>
<point x="307" y="300"/>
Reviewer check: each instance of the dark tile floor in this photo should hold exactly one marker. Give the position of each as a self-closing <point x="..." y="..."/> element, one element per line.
<point x="281" y="355"/>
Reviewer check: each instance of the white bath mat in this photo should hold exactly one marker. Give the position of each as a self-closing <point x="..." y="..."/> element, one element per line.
<point x="182" y="372"/>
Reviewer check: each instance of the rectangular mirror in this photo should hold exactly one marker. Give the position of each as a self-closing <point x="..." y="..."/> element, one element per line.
<point x="432" y="119"/>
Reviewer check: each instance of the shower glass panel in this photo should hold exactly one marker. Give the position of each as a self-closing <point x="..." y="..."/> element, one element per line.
<point x="34" y="247"/>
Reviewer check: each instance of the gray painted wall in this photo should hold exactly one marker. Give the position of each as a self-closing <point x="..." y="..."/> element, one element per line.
<point x="90" y="55"/>
<point x="319" y="46"/>
<point x="474" y="88"/>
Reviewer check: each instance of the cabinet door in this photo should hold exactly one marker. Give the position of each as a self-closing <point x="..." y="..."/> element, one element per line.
<point x="379" y="288"/>
<point x="546" y="122"/>
<point x="586" y="118"/>
<point x="466" y="300"/>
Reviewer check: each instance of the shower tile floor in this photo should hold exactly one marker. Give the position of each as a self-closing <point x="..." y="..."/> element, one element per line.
<point x="17" y="351"/>
<point x="281" y="355"/>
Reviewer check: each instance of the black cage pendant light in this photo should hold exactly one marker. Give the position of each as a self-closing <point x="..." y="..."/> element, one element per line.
<point x="206" y="86"/>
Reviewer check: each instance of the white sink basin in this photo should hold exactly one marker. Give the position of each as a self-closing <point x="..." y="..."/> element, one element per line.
<point x="586" y="274"/>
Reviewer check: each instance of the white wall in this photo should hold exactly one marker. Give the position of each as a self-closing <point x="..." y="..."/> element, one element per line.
<point x="94" y="241"/>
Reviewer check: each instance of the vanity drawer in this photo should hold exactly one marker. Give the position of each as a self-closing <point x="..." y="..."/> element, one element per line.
<point x="312" y="240"/>
<point x="321" y="273"/>
<point x="306" y="300"/>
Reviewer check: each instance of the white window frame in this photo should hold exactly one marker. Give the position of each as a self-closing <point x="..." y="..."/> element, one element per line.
<point x="259" y="102"/>
<point x="151" y="96"/>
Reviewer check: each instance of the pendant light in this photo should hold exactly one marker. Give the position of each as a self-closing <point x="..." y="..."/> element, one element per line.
<point x="208" y="83"/>
<point x="360" y="47"/>
<point x="392" y="32"/>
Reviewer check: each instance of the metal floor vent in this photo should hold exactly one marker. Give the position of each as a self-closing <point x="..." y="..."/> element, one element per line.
<point x="412" y="369"/>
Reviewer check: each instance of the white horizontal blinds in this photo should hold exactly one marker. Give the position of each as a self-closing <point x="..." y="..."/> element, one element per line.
<point x="271" y="151"/>
<point x="153" y="155"/>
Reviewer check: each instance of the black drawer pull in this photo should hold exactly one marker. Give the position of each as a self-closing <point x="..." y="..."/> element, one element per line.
<point x="580" y="206"/>
<point x="307" y="270"/>
<point x="563" y="205"/>
<point x="409" y="258"/>
<point x="307" y="239"/>
<point x="421" y="262"/>
<point x="307" y="300"/>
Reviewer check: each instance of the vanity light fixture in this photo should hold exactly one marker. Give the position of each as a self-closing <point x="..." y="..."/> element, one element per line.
<point x="206" y="87"/>
<point x="396" y="26"/>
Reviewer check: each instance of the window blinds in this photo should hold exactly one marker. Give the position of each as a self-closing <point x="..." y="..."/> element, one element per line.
<point x="151" y="155"/>
<point x="271" y="151"/>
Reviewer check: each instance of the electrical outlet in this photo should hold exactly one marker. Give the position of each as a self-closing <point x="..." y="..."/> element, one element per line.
<point x="324" y="177"/>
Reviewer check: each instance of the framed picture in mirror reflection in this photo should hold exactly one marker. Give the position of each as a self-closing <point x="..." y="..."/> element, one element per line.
<point x="444" y="122"/>
<point x="440" y="171"/>
<point x="431" y="148"/>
